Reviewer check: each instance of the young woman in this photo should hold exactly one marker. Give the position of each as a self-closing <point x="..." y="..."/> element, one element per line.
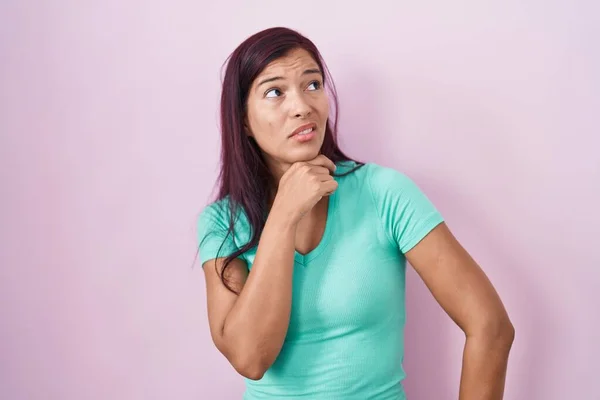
<point x="305" y="249"/>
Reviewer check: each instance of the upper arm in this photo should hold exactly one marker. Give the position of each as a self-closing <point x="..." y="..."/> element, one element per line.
<point x="406" y="212"/>
<point x="216" y="243"/>
<point x="418" y="230"/>
<point x="220" y="300"/>
<point x="457" y="282"/>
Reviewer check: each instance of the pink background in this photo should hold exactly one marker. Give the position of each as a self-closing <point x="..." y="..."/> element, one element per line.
<point x="109" y="147"/>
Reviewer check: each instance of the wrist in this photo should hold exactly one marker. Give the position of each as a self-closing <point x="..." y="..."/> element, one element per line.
<point x="283" y="217"/>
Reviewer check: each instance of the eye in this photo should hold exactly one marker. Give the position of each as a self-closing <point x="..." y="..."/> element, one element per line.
<point x="314" y="84"/>
<point x="273" y="93"/>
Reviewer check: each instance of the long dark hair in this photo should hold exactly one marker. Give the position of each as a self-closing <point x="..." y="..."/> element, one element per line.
<point x="244" y="176"/>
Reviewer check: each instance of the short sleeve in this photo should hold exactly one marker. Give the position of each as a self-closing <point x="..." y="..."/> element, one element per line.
<point x="406" y="212"/>
<point x="214" y="240"/>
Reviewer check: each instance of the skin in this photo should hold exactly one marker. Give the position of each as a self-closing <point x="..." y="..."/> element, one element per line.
<point x="286" y="95"/>
<point x="249" y="329"/>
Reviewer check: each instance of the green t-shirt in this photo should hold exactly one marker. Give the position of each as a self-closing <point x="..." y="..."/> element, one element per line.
<point x="346" y="335"/>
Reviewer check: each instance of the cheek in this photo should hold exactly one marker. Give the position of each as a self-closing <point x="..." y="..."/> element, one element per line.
<point x="265" y="123"/>
<point x="326" y="106"/>
<point x="321" y="102"/>
<point x="256" y="120"/>
<point x="270" y="118"/>
<point x="323" y="107"/>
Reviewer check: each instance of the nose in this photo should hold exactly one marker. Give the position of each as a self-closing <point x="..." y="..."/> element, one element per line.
<point x="299" y="106"/>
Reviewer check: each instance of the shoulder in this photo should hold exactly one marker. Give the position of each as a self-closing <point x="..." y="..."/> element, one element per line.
<point x="214" y="215"/>
<point x="391" y="188"/>
<point x="379" y="179"/>
<point x="215" y="236"/>
<point x="217" y="216"/>
<point x="384" y="179"/>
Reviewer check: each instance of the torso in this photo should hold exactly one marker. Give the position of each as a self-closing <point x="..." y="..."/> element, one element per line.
<point x="345" y="338"/>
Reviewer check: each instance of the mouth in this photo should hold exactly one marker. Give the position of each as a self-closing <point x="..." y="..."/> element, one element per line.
<point x="304" y="129"/>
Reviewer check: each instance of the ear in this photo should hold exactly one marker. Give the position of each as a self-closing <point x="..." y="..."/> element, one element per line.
<point x="247" y="130"/>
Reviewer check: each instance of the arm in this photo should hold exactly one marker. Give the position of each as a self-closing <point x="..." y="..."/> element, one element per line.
<point x="465" y="293"/>
<point x="249" y="329"/>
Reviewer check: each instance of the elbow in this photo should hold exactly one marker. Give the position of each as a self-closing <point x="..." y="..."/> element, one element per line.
<point x="499" y="331"/>
<point x="243" y="356"/>
<point x="510" y="332"/>
<point x="248" y="357"/>
<point x="255" y="374"/>
<point x="250" y="365"/>
<point x="251" y="370"/>
<point x="505" y="332"/>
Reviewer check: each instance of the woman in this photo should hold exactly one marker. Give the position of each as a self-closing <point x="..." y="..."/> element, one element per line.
<point x="304" y="251"/>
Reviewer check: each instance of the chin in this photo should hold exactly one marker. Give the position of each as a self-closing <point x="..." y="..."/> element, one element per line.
<point x="305" y="154"/>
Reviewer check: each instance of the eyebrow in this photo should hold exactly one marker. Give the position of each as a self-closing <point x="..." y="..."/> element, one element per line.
<point x="276" y="78"/>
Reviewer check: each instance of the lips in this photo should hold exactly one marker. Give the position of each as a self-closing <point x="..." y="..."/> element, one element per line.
<point x="306" y="127"/>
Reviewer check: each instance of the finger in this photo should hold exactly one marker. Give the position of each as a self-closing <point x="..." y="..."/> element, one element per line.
<point x="329" y="187"/>
<point x="323" y="161"/>
<point x="318" y="170"/>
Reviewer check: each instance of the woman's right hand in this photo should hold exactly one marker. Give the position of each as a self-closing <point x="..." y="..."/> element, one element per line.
<point x="303" y="185"/>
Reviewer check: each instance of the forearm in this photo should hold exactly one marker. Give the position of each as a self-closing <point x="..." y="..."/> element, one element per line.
<point x="258" y="321"/>
<point x="485" y="360"/>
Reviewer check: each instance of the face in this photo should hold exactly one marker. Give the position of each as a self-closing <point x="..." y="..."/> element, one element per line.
<point x="287" y="110"/>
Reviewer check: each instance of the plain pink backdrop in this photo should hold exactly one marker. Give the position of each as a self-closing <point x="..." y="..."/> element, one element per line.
<point x="109" y="147"/>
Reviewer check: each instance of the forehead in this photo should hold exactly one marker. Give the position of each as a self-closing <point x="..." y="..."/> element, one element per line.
<point x="295" y="62"/>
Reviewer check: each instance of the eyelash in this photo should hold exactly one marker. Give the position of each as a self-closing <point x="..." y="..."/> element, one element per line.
<point x="317" y="84"/>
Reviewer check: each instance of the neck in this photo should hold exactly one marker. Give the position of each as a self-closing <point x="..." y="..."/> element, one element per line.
<point x="278" y="170"/>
